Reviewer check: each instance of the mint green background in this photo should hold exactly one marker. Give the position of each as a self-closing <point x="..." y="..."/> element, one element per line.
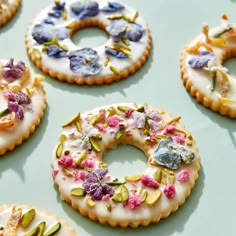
<point x="25" y="173"/>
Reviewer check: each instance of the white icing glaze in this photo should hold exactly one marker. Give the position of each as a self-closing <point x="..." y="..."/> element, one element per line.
<point x="120" y="213"/>
<point x="200" y="78"/>
<point x="40" y="216"/>
<point x="61" y="65"/>
<point x="11" y="136"/>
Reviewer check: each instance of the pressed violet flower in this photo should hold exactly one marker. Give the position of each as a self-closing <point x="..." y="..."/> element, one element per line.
<point x="132" y="31"/>
<point x="57" y="10"/>
<point x="94" y="187"/>
<point x="84" y="9"/>
<point x="115" y="53"/>
<point x="169" y="191"/>
<point x="134" y="201"/>
<point x="12" y="71"/>
<point x="149" y="181"/>
<point x="113" y="7"/>
<point x="17" y="102"/>
<point x="47" y="32"/>
<point x="85" y="62"/>
<point x="56" y="52"/>
<point x="201" y="61"/>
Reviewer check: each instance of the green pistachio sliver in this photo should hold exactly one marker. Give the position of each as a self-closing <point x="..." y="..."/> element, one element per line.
<point x="140" y="109"/>
<point x="144" y="196"/>
<point x="54" y="229"/>
<point x="109" y="207"/>
<point x="115" y="70"/>
<point x="90" y="202"/>
<point x="222" y="32"/>
<point x="107" y="60"/>
<point x="27" y="218"/>
<point x="78" y="126"/>
<point x="117" y="197"/>
<point x="124" y="193"/>
<point x="65" y="15"/>
<point x="136" y="15"/>
<point x="81" y="157"/>
<point x="119" y="134"/>
<point x="153" y="197"/>
<point x="115" y="17"/>
<point x="37" y="230"/>
<point x="213" y="81"/>
<point x="78" y="192"/>
<point x="72" y="24"/>
<point x="72" y="120"/>
<point x="171" y="179"/>
<point x="158" y="175"/>
<point x="114" y="183"/>
<point x="122" y="108"/>
<point x="95" y="145"/>
<point x="68" y="172"/>
<point x="112" y="111"/>
<point x="4" y="112"/>
<point x="125" y="41"/>
<point x="95" y="119"/>
<point x="132" y="178"/>
<point x="59" y="149"/>
<point x="162" y="136"/>
<point x="37" y="54"/>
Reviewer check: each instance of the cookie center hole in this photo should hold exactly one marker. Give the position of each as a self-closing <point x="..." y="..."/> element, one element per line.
<point x="125" y="160"/>
<point x="89" y="37"/>
<point x="230" y="65"/>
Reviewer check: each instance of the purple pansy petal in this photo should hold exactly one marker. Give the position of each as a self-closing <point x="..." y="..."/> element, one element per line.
<point x="55" y="14"/>
<point x="116" y="27"/>
<point x="114" y="53"/>
<point x="201" y="61"/>
<point x="12" y="71"/>
<point x="56" y="52"/>
<point x="113" y="7"/>
<point x="59" y="6"/>
<point x="84" y="62"/>
<point x="135" y="32"/>
<point x="46" y="32"/>
<point x="83" y="10"/>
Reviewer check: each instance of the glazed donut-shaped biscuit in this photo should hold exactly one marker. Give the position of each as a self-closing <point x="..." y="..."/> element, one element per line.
<point x="83" y="178"/>
<point x="26" y="220"/>
<point x="22" y="103"/>
<point x="49" y="44"/>
<point x="203" y="73"/>
<point x="8" y="9"/>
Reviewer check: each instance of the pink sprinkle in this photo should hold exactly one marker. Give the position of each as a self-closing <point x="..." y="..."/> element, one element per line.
<point x="102" y="114"/>
<point x="183" y="176"/>
<point x="106" y="197"/>
<point x="101" y="128"/>
<point x="179" y="138"/>
<point x="88" y="163"/>
<point x="128" y="112"/>
<point x="79" y="175"/>
<point x="113" y="121"/>
<point x="170" y="191"/>
<point x="66" y="161"/>
<point x="170" y="129"/>
<point x="149" y="182"/>
<point x="54" y="173"/>
<point x="134" y="201"/>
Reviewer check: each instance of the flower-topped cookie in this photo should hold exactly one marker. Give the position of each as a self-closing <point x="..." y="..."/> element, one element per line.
<point x="22" y="103"/>
<point x="203" y="73"/>
<point x="83" y="177"/>
<point x="28" y="221"/>
<point x="8" y="9"/>
<point x="49" y="44"/>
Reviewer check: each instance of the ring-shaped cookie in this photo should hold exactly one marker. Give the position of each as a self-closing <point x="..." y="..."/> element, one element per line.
<point x="49" y="44"/>
<point x="22" y="105"/>
<point x="27" y="220"/>
<point x="83" y="178"/>
<point x="8" y="9"/>
<point x="202" y="70"/>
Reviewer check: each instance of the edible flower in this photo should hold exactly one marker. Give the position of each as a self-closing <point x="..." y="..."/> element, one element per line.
<point x="11" y="71"/>
<point x="170" y="191"/>
<point x="85" y="62"/>
<point x="133" y="201"/>
<point x="47" y="32"/>
<point x="84" y="9"/>
<point x="113" y="7"/>
<point x="57" y="10"/>
<point x="183" y="176"/>
<point x="17" y="102"/>
<point x="149" y="182"/>
<point x="120" y="27"/>
<point x="202" y="60"/>
<point x="94" y="187"/>
<point x="116" y="53"/>
<point x="56" y="52"/>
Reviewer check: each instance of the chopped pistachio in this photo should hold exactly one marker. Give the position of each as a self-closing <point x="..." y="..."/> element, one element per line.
<point x="72" y="24"/>
<point x="119" y="134"/>
<point x="27" y="218"/>
<point x="95" y="145"/>
<point x="90" y="202"/>
<point x="65" y="15"/>
<point x="144" y="196"/>
<point x="59" y="149"/>
<point x="51" y="231"/>
<point x="78" y="126"/>
<point x="95" y="119"/>
<point x="37" y="54"/>
<point x="133" y="177"/>
<point x="153" y="197"/>
<point x="68" y="172"/>
<point x="125" y="41"/>
<point x="109" y="207"/>
<point x="72" y="120"/>
<point x="115" y="17"/>
<point x="81" y="157"/>
<point x="115" y="70"/>
<point x="78" y="192"/>
<point x="107" y="60"/>
<point x="158" y="175"/>
<point x="122" y="108"/>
